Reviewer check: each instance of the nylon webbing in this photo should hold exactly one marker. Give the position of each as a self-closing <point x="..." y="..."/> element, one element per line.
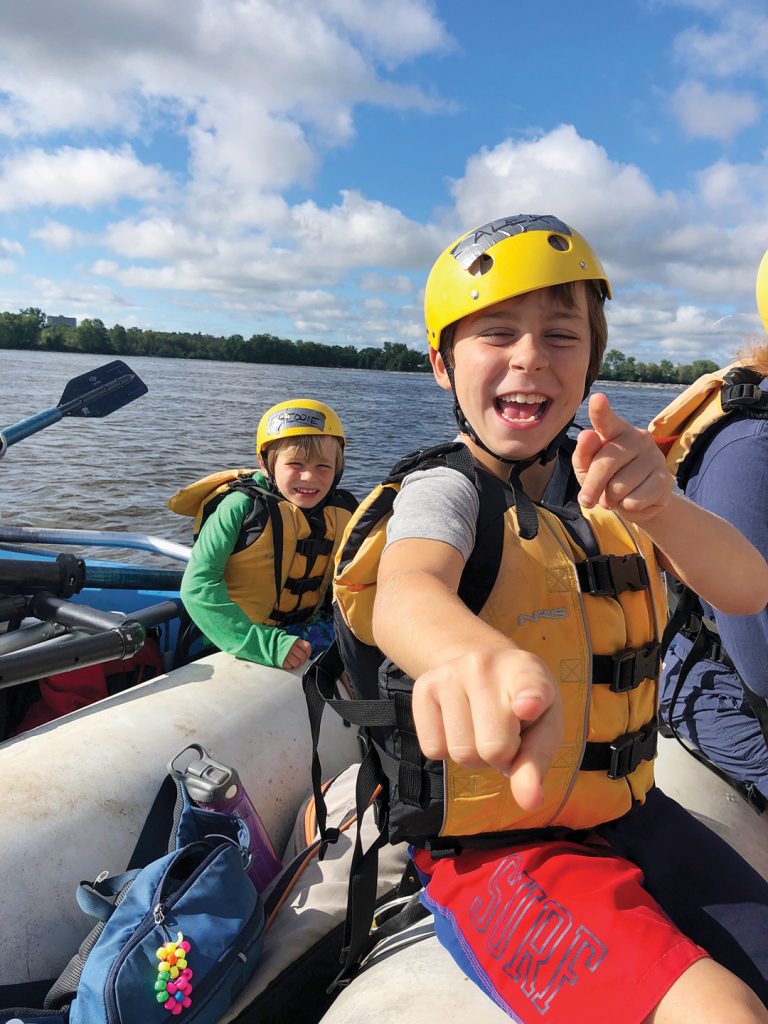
<point x="363" y="877"/>
<point x="688" y="612"/>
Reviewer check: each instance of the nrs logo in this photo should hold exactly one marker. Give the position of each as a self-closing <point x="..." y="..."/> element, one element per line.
<point x="543" y="613"/>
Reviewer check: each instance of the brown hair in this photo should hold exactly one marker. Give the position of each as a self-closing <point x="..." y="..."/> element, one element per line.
<point x="565" y="293"/>
<point x="309" y="446"/>
<point x="756" y="357"/>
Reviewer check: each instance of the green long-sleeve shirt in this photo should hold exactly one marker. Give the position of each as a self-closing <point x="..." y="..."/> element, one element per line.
<point x="205" y="595"/>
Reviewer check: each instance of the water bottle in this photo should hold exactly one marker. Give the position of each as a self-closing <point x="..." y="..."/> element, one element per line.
<point x="217" y="787"/>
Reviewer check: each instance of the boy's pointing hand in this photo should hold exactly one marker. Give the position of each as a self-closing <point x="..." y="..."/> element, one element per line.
<point x="496" y="706"/>
<point x="619" y="466"/>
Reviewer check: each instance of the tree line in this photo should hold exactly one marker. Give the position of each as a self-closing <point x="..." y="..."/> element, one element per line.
<point x="27" y="329"/>
<point x="617" y="366"/>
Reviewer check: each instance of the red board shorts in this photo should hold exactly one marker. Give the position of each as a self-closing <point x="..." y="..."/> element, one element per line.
<point x="561" y="932"/>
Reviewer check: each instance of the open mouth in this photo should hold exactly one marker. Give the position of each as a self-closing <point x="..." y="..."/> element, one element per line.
<point x="521" y="407"/>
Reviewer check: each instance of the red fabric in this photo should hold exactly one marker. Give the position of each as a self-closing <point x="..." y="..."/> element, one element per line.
<point x="69" y="691"/>
<point x="559" y="932"/>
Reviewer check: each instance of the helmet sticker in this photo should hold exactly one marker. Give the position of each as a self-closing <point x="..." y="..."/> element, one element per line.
<point x="287" y="419"/>
<point x="473" y="245"/>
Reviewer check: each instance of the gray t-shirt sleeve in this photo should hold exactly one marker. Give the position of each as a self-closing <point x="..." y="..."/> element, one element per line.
<point x="436" y="504"/>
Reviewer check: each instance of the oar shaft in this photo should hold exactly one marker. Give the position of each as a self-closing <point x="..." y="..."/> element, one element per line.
<point x="31" y="425"/>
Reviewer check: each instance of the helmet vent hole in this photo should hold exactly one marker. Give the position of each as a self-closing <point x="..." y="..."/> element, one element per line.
<point x="559" y="242"/>
<point x="482" y="265"/>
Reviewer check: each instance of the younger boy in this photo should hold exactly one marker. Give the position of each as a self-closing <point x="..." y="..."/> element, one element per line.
<point x="553" y="682"/>
<point x="257" y="584"/>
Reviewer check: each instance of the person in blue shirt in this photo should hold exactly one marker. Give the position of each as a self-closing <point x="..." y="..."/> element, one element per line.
<point x="715" y="681"/>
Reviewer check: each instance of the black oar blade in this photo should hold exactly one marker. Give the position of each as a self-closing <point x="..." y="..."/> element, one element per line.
<point x="100" y="392"/>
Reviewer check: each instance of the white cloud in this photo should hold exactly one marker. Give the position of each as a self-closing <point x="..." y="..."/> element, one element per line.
<point x="10" y="247"/>
<point x="74" y="297"/>
<point x="104" y="268"/>
<point x="738" y="44"/>
<point x="76" y="177"/>
<point x="557" y="171"/>
<point x="395" y="284"/>
<point x="107" y="65"/>
<point x="611" y="203"/>
<point x="158" y="238"/>
<point x="57" y="236"/>
<point x="195" y="138"/>
<point x="708" y="114"/>
<point x="398" y="30"/>
<point x="361" y="232"/>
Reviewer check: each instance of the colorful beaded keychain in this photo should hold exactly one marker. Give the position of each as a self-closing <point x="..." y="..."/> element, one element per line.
<point x="172" y="986"/>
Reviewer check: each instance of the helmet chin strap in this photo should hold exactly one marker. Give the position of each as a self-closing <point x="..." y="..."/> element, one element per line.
<point x="527" y="520"/>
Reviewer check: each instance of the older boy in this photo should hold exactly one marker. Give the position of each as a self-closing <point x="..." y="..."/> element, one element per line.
<point x="549" y="918"/>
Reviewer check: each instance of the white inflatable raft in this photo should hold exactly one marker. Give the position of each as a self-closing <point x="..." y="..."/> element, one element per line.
<point x="77" y="790"/>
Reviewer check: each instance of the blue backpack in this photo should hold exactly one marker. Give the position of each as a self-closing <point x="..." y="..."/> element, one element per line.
<point x="178" y="933"/>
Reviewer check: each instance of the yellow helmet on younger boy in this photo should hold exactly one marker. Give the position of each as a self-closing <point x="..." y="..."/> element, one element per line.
<point x="762" y="291"/>
<point x="297" y="417"/>
<point x="504" y="258"/>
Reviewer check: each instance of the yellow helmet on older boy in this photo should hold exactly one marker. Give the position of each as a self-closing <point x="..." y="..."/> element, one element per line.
<point x="504" y="258"/>
<point x="297" y="417"/>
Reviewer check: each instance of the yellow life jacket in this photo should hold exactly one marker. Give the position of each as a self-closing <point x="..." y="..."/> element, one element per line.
<point x="282" y="564"/>
<point x="585" y="595"/>
<point x="686" y="423"/>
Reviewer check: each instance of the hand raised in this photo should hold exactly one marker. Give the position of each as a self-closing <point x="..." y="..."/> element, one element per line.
<point x="497" y="707"/>
<point x="619" y="466"/>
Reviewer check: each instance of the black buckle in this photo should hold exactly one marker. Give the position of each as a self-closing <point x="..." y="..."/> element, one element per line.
<point x="314" y="546"/>
<point x="442" y="849"/>
<point x="611" y="575"/>
<point x="737" y="396"/>
<point x="622" y="750"/>
<point x="629" y="750"/>
<point x="303" y="586"/>
<point x="290" y="618"/>
<point x="599" y="580"/>
<point x="631" y="667"/>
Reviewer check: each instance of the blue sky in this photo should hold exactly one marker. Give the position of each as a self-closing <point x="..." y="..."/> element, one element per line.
<point x="294" y="166"/>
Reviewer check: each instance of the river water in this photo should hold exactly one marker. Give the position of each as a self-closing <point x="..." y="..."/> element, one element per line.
<point x="118" y="472"/>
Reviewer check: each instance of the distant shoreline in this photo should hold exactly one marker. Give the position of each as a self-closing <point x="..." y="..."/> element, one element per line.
<point x="666" y="385"/>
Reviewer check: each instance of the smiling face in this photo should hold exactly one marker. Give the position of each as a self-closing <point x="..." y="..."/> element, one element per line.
<point x="520" y="367"/>
<point x="304" y="476"/>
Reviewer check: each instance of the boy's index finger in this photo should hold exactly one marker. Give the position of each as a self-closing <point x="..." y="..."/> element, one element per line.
<point x="604" y="420"/>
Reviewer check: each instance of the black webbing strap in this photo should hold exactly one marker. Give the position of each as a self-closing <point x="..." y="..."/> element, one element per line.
<point x="276" y="521"/>
<point x="430" y="786"/>
<point x="527" y="517"/>
<point x="305" y="585"/>
<point x="290" y="872"/>
<point x="363" y="876"/>
<point x="759" y="707"/>
<point x="155" y="839"/>
<point x="627" y="669"/>
<point x="611" y="575"/>
<point x="291" y="618"/>
<point x="622" y="756"/>
<point x="392" y="923"/>
<point x="319" y="682"/>
<point x="705" y="642"/>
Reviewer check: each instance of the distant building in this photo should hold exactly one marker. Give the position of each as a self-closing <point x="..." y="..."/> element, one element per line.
<point x="60" y="321"/>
